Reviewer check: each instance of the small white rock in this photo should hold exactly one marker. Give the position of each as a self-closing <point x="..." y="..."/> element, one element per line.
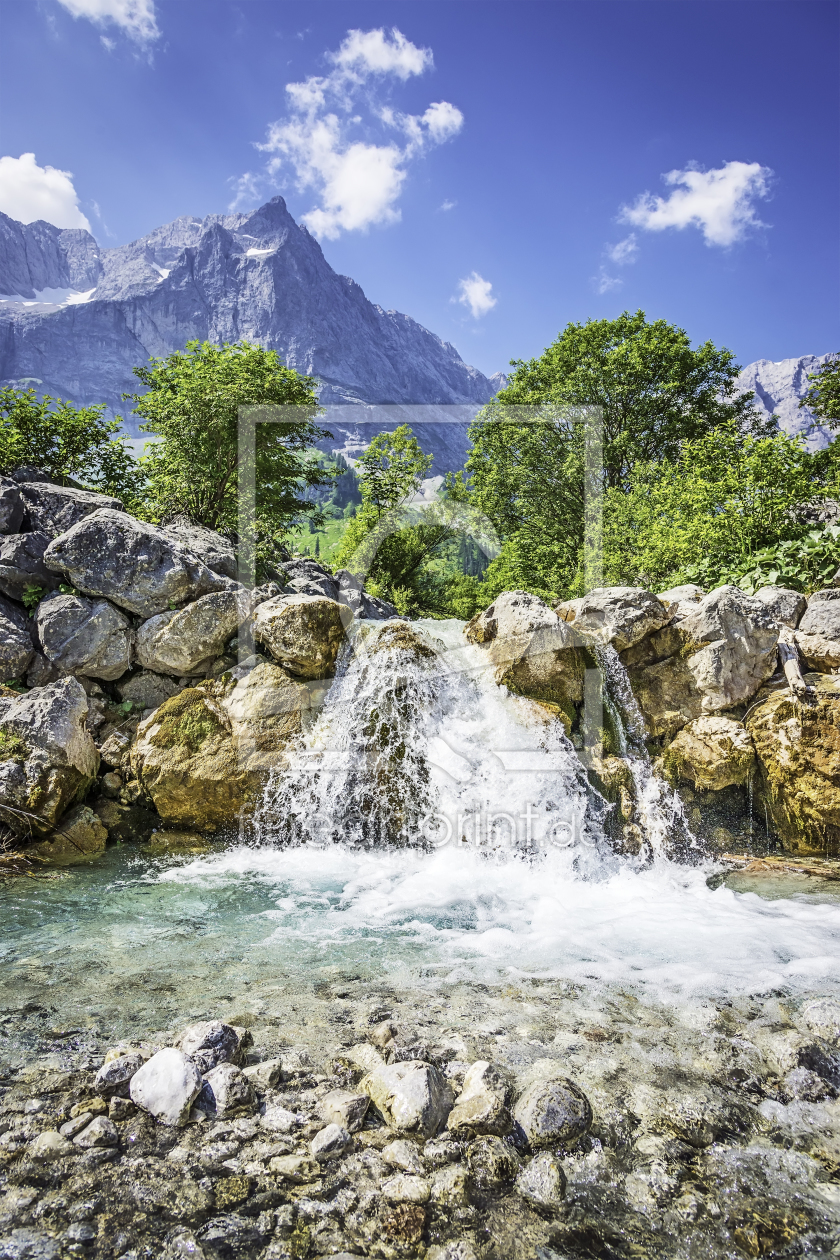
<point x="166" y="1086"/>
<point x="100" y="1132"/>
<point x="50" y="1145"/>
<point x="405" y="1189"/>
<point x="404" y="1155"/>
<point x="330" y="1142"/>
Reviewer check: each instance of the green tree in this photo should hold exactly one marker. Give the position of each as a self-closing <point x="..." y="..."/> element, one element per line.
<point x="192" y="404"/>
<point x="389" y="543"/>
<point x="823" y="396"/>
<point x="67" y="443"/>
<point x="634" y="389"/>
<point x="709" y="513"/>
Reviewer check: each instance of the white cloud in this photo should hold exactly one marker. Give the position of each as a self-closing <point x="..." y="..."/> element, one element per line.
<point x="448" y="205"/>
<point x="624" y="252"/>
<point x="29" y="191"/>
<point x="135" y="17"/>
<point x="605" y="283"/>
<point x="357" y="181"/>
<point x="720" y="202"/>
<point x="474" y="292"/>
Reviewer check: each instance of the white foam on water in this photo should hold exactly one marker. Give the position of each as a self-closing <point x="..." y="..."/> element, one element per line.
<point x="481" y="916"/>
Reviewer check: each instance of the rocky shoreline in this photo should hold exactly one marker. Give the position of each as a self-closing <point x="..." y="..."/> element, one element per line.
<point x="540" y="1120"/>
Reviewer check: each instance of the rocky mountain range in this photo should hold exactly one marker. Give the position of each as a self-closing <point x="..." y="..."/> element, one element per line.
<point x="76" y="318"/>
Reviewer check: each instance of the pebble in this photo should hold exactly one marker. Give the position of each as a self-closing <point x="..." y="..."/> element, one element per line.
<point x="330" y="1142"/>
<point x="100" y="1132"/>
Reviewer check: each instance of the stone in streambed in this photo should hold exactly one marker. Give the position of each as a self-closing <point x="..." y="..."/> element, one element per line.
<point x="84" y="636"/>
<point x="79" y="837"/>
<point x="412" y="1097"/>
<point x="209" y="1043"/>
<point x="404" y="1155"/>
<point x="542" y="1181"/>
<point x="711" y="753"/>
<point x="330" y="1142"/>
<point x="226" y="1092"/>
<point x="265" y="1075"/>
<point x="49" y="1146"/>
<point x="114" y="1077"/>
<point x="345" y="1108"/>
<point x="166" y="1086"/>
<point x="553" y="1113"/>
<point x="101" y="1132"/>
<point x="492" y="1163"/>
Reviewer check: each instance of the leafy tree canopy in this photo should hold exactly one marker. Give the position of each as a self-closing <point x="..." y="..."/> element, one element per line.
<point x="66" y="442"/>
<point x="193" y="404"/>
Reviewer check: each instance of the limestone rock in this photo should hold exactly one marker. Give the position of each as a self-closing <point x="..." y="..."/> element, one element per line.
<point x="404" y="1155"/>
<point x="345" y="1108"/>
<point x="305" y="576"/>
<point x="532" y="652"/>
<point x="16" y="648"/>
<point x="785" y="605"/>
<point x="542" y="1181"/>
<point x="818" y="636"/>
<point x="100" y="1132"/>
<point x="711" y="753"/>
<point x="798" y="746"/>
<point x="11" y="506"/>
<point x="41" y="672"/>
<point x="568" y="609"/>
<point x="352" y="596"/>
<point x="330" y="1142"/>
<point x="50" y="755"/>
<point x="226" y="1092"/>
<point x="214" y="550"/>
<point x="492" y="1163"/>
<point x="22" y="565"/>
<point x="406" y="1189"/>
<point x="135" y="565"/>
<point x="84" y="636"/>
<point x="126" y="824"/>
<point x="553" y="1113"/>
<point x="303" y="632"/>
<point x="677" y="596"/>
<point x="113" y="1078"/>
<point x="480" y="1107"/>
<point x="731" y="647"/>
<point x="620" y="615"/>
<point x="265" y="1075"/>
<point x="204" y="755"/>
<point x="80" y="836"/>
<point x="147" y="690"/>
<point x="412" y="1097"/>
<point x="166" y="1086"/>
<point x="209" y="1043"/>
<point x="661" y="681"/>
<point x="823" y="1018"/>
<point x="50" y="1145"/>
<point x="54" y="509"/>
<point x="183" y="642"/>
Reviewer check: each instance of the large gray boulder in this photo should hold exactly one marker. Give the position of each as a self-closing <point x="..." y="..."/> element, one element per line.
<point x="352" y="596"/>
<point x="531" y="650"/>
<point x="620" y="615"/>
<point x="16" y="647"/>
<point x="818" y="636"/>
<point x="211" y="548"/>
<point x="49" y="755"/>
<point x="786" y="606"/>
<point x="730" y="647"/>
<point x="166" y="1086"/>
<point x="135" y="565"/>
<point x="184" y="642"/>
<point x="11" y="506"/>
<point x="303" y="632"/>
<point x="553" y="1113"/>
<point x="54" y="509"/>
<point x="84" y="636"/>
<point x="308" y="577"/>
<point x="147" y="690"/>
<point x="22" y="564"/>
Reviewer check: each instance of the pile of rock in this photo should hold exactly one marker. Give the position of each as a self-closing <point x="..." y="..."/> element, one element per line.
<point x="129" y="620"/>
<point x="393" y="1148"/>
<point x="717" y="677"/>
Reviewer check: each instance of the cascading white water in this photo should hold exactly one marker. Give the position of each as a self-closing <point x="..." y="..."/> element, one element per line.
<point x="416" y="744"/>
<point x="659" y="810"/>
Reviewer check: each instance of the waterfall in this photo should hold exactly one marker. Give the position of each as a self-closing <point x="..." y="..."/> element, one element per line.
<point x="659" y="810"/>
<point x="417" y="745"/>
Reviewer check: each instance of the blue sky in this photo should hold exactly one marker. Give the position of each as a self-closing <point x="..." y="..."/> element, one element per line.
<point x="548" y="119"/>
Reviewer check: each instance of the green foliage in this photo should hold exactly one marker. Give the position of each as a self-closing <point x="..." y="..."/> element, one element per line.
<point x="32" y="596"/>
<point x="67" y="442"/>
<point x="803" y="564"/>
<point x="823" y="396"/>
<point x="708" y="514"/>
<point x="193" y="403"/>
<point x="612" y="394"/>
